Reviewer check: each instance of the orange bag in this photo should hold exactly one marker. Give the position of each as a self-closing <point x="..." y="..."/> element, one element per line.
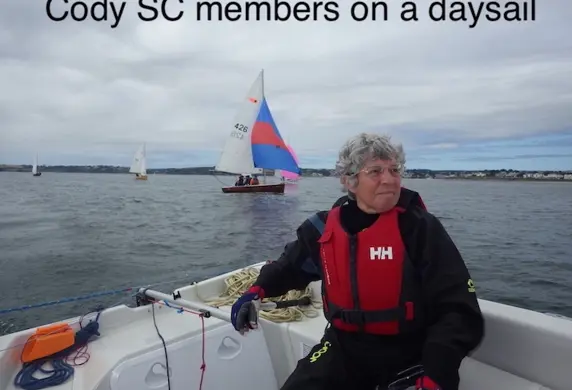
<point x="48" y="340"/>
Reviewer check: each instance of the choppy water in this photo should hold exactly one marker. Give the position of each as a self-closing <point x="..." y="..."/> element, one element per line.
<point x="64" y="235"/>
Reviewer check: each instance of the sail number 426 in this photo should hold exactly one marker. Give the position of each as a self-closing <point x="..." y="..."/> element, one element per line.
<point x="242" y="128"/>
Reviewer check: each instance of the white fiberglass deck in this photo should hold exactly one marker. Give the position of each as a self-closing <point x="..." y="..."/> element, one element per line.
<point x="522" y="350"/>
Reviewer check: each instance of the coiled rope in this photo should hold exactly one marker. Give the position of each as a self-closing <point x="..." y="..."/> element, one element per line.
<point x="239" y="282"/>
<point x="61" y="371"/>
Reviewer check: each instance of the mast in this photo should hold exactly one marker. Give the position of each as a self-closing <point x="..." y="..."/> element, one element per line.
<point x="263" y="98"/>
<point x="262" y="73"/>
<point x="144" y="160"/>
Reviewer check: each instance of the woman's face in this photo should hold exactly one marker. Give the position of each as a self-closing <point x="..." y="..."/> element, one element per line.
<point x="379" y="186"/>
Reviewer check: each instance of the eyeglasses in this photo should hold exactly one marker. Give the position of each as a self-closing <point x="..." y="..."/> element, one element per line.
<point x="376" y="171"/>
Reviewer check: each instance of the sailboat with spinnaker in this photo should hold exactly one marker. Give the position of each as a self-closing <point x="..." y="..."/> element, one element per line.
<point x="255" y="144"/>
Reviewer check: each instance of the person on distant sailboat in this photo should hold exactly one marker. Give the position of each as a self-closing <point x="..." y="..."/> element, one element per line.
<point x="397" y="294"/>
<point x="254" y="181"/>
<point x="240" y="181"/>
<point x="247" y="180"/>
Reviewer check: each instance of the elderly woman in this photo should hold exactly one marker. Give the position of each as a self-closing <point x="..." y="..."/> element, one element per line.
<point x="396" y="291"/>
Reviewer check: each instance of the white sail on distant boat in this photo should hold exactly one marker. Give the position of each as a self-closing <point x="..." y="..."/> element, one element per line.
<point x="236" y="156"/>
<point x="254" y="143"/>
<point x="139" y="164"/>
<point x="35" y="168"/>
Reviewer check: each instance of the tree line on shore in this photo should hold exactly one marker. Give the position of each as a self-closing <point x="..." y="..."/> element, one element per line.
<point x="411" y="173"/>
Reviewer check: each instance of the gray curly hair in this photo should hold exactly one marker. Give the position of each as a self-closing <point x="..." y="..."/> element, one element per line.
<point x="363" y="147"/>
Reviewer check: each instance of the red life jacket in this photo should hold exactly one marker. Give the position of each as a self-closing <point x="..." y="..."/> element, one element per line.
<point x="369" y="283"/>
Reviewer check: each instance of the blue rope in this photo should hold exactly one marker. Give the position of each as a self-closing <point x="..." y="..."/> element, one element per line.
<point x="61" y="372"/>
<point x="65" y="300"/>
<point x="179" y="310"/>
<point x="83" y="297"/>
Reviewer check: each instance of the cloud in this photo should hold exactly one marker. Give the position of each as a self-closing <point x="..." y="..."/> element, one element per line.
<point x="84" y="92"/>
<point x="522" y="156"/>
<point x="443" y="146"/>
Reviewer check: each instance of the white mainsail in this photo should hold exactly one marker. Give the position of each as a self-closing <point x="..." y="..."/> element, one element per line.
<point x="35" y="166"/>
<point x="139" y="164"/>
<point x="236" y="156"/>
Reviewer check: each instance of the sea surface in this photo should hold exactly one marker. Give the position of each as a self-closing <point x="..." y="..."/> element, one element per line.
<point x="64" y="235"/>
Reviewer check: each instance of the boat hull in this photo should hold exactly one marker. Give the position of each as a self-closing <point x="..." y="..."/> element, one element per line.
<point x="140" y="177"/>
<point x="521" y="349"/>
<point x="37" y="174"/>
<point x="267" y="188"/>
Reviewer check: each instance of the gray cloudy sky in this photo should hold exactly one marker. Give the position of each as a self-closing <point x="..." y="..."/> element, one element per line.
<point x="498" y="95"/>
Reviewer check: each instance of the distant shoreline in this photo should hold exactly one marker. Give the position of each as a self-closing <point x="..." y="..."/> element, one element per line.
<point x="499" y="179"/>
<point x="159" y="171"/>
<point x="427" y="174"/>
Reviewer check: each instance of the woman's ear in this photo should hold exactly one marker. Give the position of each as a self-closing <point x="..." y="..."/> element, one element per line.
<point x="347" y="182"/>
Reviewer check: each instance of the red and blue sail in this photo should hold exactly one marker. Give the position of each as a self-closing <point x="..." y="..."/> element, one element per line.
<point x="268" y="148"/>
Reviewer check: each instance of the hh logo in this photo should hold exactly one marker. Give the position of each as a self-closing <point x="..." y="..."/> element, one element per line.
<point x="381" y="253"/>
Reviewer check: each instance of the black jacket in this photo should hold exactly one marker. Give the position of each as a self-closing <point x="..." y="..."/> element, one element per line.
<point x="455" y="323"/>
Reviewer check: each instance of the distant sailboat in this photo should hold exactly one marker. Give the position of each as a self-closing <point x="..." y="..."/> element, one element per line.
<point x="255" y="143"/>
<point x="35" y="168"/>
<point x="139" y="165"/>
<point x="289" y="177"/>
